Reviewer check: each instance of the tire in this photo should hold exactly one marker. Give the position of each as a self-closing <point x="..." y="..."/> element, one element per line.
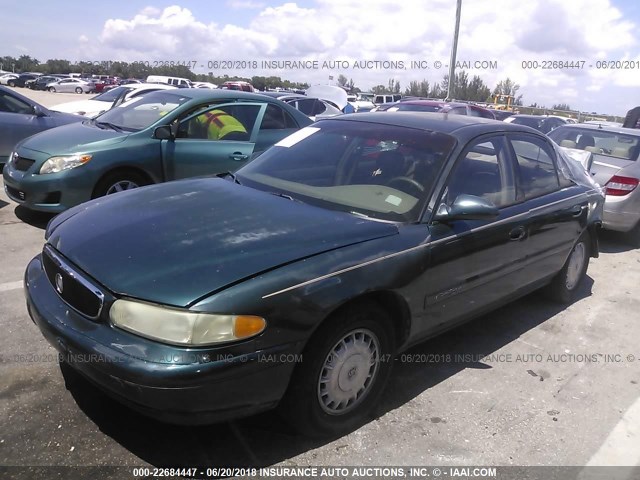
<point x="564" y="285"/>
<point x="358" y="343"/>
<point x="119" y="181"/>
<point x="11" y="83"/>
<point x="52" y="89"/>
<point x="78" y="90"/>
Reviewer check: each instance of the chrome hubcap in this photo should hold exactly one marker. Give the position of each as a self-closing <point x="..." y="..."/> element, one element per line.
<point x="121" y="186"/>
<point x="348" y="372"/>
<point x="574" y="269"/>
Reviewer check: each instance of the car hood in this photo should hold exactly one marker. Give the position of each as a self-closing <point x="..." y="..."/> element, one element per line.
<point x="72" y="138"/>
<point x="178" y="242"/>
<point x="83" y="107"/>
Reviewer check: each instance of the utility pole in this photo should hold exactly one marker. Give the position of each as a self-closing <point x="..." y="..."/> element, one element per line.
<point x="454" y="48"/>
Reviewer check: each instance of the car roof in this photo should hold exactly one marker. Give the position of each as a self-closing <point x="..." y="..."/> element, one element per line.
<point x="204" y="93"/>
<point x="603" y="127"/>
<point x="437" y="122"/>
<point x="433" y="103"/>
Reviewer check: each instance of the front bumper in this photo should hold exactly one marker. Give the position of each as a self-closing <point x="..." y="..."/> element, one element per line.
<point x="172" y="384"/>
<point x="52" y="193"/>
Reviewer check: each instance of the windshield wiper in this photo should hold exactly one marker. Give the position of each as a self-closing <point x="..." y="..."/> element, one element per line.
<point x="284" y="195"/>
<point x="110" y="125"/>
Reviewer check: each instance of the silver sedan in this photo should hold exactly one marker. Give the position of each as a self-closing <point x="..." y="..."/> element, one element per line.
<point x="70" y="85"/>
<point x="616" y="166"/>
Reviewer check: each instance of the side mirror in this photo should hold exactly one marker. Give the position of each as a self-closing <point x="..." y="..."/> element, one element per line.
<point x="164" y="132"/>
<point x="37" y="111"/>
<point x="467" y="207"/>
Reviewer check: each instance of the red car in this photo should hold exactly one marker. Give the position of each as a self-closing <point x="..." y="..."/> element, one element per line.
<point x="440" y="106"/>
<point x="106" y="84"/>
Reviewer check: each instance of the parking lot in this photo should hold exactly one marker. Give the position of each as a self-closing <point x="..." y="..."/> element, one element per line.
<point x="533" y="383"/>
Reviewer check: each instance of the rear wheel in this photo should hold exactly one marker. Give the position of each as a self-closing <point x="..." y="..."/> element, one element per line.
<point x="565" y="284"/>
<point x="11" y="83"/>
<point x="78" y="90"/>
<point x="344" y="370"/>
<point x="119" y="182"/>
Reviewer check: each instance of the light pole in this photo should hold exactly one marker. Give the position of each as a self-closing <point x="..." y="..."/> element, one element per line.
<point x="454" y="48"/>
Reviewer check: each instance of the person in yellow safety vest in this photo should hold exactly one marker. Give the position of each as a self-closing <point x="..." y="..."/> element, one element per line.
<point x="218" y="124"/>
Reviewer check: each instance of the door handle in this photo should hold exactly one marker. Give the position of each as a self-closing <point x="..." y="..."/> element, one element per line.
<point x="238" y="156"/>
<point x="517" y="233"/>
<point x="577" y="210"/>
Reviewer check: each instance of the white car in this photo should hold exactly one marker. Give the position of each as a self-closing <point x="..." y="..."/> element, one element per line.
<point x="204" y="85"/>
<point x="70" y="85"/>
<point x="101" y="103"/>
<point x="4" y="79"/>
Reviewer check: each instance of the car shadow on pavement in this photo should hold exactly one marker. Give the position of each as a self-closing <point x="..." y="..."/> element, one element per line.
<point x="614" y="242"/>
<point x="33" y="218"/>
<point x="266" y="439"/>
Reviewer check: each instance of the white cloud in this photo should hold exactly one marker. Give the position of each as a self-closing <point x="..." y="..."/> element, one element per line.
<point x="245" y="4"/>
<point x="410" y="30"/>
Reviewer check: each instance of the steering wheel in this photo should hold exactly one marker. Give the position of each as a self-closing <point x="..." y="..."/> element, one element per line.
<point x="410" y="181"/>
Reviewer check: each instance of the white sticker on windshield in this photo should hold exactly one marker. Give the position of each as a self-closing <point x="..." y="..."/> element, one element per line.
<point x="393" y="200"/>
<point x="294" y="138"/>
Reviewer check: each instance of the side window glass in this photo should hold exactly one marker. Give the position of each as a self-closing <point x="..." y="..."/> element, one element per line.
<point x="306" y="106"/>
<point x="227" y="122"/>
<point x="473" y="112"/>
<point x="483" y="171"/>
<point x="275" y="118"/>
<point x="11" y="104"/>
<point x="458" y="111"/>
<point x="319" y="107"/>
<point x="536" y="167"/>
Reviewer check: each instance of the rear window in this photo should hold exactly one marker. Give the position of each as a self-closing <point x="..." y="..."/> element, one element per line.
<point x="598" y="141"/>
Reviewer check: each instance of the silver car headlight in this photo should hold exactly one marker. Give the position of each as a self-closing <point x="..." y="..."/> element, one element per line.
<point x="182" y="327"/>
<point x="64" y="162"/>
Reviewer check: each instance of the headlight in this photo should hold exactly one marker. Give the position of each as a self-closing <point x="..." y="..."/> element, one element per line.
<point x="182" y="327"/>
<point x="58" y="164"/>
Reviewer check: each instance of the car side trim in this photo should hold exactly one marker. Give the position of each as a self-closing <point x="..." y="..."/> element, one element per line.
<point x="428" y="244"/>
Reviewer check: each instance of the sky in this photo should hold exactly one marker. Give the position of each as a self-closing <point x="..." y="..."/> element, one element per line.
<point x="498" y="39"/>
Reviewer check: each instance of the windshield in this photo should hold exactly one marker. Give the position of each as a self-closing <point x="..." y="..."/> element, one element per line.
<point x="143" y="111"/>
<point x="598" y="141"/>
<point x="112" y="95"/>
<point x="528" y="121"/>
<point x="380" y="171"/>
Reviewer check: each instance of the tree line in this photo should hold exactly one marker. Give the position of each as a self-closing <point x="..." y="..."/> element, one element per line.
<point x="464" y="88"/>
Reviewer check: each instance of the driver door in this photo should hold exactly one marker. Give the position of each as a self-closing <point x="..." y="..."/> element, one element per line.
<point x="190" y="155"/>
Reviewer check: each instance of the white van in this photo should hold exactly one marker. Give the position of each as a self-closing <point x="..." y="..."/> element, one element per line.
<point x="175" y="81"/>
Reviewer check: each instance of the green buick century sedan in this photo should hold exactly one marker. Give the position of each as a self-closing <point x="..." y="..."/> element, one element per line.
<point x="150" y="139"/>
<point x="296" y="281"/>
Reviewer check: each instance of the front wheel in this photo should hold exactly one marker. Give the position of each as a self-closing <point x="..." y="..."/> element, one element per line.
<point x="11" y="83"/>
<point x="52" y="89"/>
<point x="343" y="372"/>
<point x="564" y="285"/>
<point x="119" y="182"/>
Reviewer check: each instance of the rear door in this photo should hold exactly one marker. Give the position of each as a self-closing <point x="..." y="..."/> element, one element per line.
<point x="558" y="208"/>
<point x="191" y="155"/>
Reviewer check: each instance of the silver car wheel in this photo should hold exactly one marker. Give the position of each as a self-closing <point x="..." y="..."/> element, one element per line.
<point x="575" y="266"/>
<point x="348" y="372"/>
<point x="121" y="186"/>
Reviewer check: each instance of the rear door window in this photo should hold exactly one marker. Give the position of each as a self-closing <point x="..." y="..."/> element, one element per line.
<point x="535" y="159"/>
